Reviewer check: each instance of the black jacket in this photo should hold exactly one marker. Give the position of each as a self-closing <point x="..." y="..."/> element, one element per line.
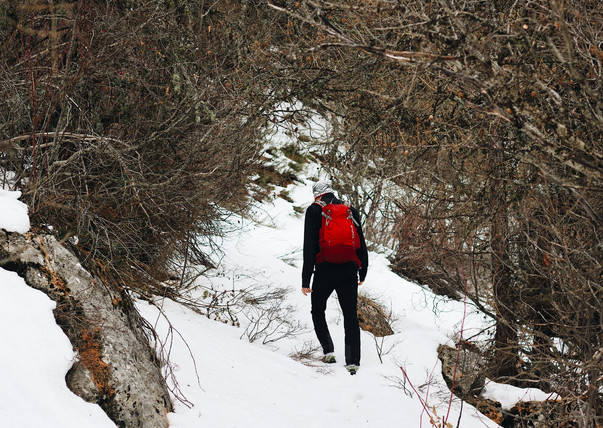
<point x="312" y="225"/>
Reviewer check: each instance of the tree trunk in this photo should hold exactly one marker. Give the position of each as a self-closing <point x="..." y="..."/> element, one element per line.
<point x="505" y="339"/>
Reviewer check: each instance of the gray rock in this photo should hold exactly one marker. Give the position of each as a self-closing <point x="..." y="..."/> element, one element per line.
<point x="116" y="366"/>
<point x="466" y="373"/>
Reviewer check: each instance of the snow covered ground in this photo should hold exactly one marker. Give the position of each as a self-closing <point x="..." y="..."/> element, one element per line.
<point x="224" y="380"/>
<point x="13" y="213"/>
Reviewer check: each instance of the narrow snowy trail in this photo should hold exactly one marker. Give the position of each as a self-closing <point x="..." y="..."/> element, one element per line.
<point x="244" y="384"/>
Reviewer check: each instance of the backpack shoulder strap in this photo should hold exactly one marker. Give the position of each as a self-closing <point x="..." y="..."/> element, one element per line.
<point x="322" y="204"/>
<point x="350" y="214"/>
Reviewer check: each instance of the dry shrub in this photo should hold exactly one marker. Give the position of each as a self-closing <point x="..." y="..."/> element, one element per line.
<point x="130" y="124"/>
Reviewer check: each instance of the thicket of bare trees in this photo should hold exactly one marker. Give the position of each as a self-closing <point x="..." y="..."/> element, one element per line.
<point x="128" y="124"/>
<point x="489" y="117"/>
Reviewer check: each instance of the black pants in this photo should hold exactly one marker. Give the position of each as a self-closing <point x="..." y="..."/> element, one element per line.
<point x="344" y="280"/>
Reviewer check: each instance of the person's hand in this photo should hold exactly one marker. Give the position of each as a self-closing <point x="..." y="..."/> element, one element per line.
<point x="306" y="291"/>
<point x="360" y="283"/>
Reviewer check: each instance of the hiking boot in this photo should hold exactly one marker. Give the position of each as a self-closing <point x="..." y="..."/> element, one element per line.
<point x="352" y="369"/>
<point x="329" y="358"/>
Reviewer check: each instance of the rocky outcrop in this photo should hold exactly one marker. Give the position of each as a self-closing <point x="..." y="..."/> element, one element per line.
<point x="463" y="372"/>
<point x="463" y="368"/>
<point x="373" y="318"/>
<point x="116" y="367"/>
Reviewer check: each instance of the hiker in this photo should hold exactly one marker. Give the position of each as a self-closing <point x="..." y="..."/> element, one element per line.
<point x="345" y="271"/>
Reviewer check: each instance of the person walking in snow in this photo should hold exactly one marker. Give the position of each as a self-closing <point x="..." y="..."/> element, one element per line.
<point x="331" y="227"/>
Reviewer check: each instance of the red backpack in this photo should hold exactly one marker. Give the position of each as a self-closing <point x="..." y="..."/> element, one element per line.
<point x="337" y="237"/>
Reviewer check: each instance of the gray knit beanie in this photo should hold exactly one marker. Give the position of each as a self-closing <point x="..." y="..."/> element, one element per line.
<point x="322" y="187"/>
